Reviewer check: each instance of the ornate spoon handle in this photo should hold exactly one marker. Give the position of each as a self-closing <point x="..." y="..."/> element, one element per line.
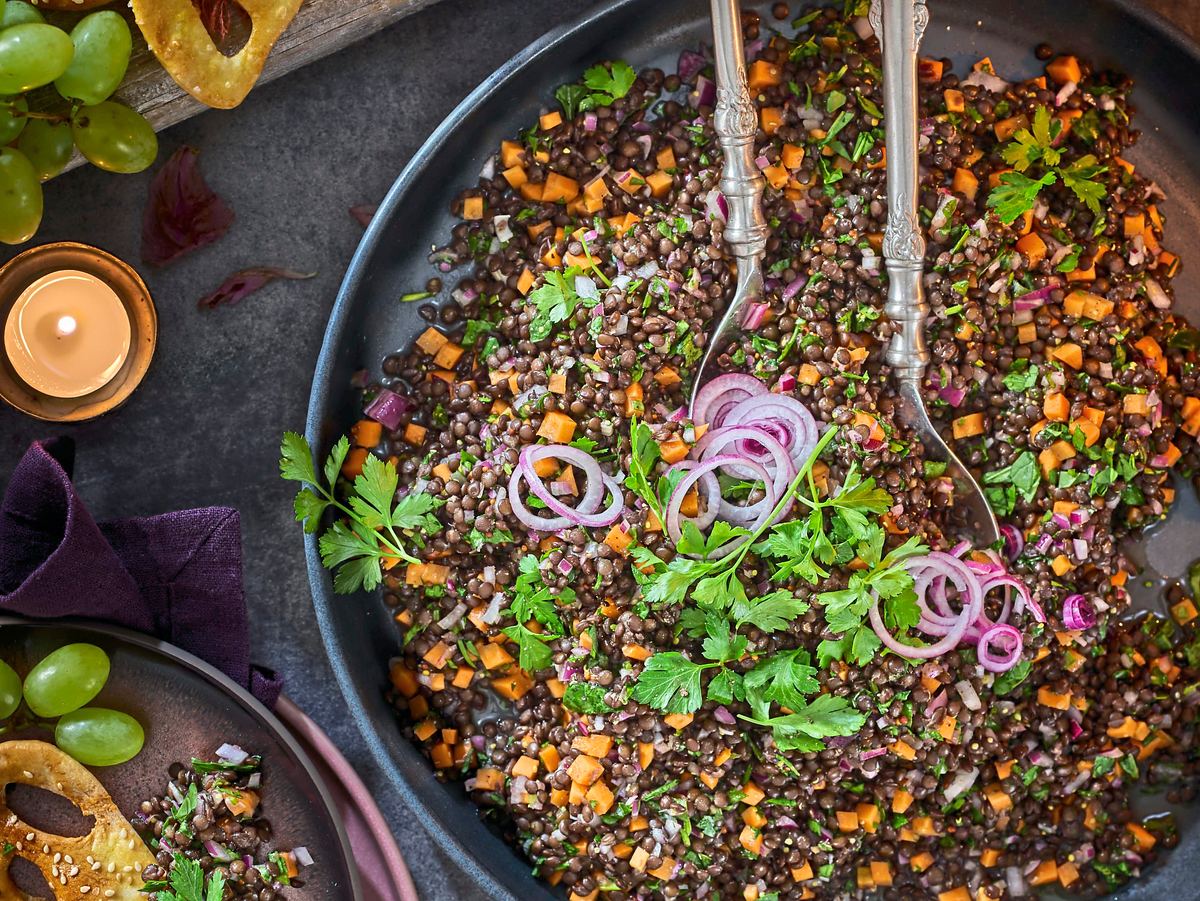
<point x="736" y="122"/>
<point x="903" y="23"/>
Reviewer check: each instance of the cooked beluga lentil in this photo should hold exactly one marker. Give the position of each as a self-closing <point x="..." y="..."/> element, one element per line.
<point x="657" y="701"/>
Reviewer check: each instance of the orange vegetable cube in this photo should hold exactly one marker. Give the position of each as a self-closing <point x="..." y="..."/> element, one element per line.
<point x="1046" y="872"/>
<point x="585" y="770"/>
<point x="473" y="208"/>
<point x="1064" y="69"/>
<point x="593" y="745"/>
<point x="847" y="820"/>
<point x="763" y="75"/>
<point x="968" y="426"/>
<point x="1056" y="407"/>
<point x="921" y="862"/>
<point x="770" y="118"/>
<point x="600" y="797"/>
<point x="557" y="428"/>
<point x="660" y="182"/>
<point x="559" y="188"/>
<point x="414" y="434"/>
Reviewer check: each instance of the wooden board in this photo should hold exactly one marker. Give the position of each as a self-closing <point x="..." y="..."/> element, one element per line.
<point x="320" y="28"/>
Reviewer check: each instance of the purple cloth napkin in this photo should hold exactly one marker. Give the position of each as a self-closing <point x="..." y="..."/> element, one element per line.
<point x="177" y="576"/>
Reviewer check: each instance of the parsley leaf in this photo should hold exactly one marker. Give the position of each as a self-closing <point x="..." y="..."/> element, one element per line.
<point x="1078" y="177"/>
<point x="610" y="83"/>
<point x="375" y="525"/>
<point x="1024" y="474"/>
<point x="555" y="301"/>
<point x="644" y="453"/>
<point x="785" y="678"/>
<point x="1021" y="376"/>
<point x="572" y="97"/>
<point x="1029" y="147"/>
<point x="586" y="697"/>
<point x="824" y="717"/>
<point x="670" y="683"/>
<point x="1016" y="194"/>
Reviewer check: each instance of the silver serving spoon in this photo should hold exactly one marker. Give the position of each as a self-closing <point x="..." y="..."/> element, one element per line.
<point x="746" y="232"/>
<point x="899" y="25"/>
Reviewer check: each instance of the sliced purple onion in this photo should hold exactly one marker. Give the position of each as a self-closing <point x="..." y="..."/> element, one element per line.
<point x="387" y="407"/>
<point x="1078" y="612"/>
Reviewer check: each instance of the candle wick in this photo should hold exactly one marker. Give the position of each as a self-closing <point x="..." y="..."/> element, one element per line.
<point x="66" y="326"/>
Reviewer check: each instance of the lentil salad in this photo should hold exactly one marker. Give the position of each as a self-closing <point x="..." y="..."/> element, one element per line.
<point x="1060" y="371"/>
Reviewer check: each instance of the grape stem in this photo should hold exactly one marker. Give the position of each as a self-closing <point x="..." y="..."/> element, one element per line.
<point x="51" y="117"/>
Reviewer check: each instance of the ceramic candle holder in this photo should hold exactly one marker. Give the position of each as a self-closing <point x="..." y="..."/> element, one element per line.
<point x="21" y="271"/>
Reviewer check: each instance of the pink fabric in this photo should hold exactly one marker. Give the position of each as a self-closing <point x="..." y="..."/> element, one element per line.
<point x="383" y="873"/>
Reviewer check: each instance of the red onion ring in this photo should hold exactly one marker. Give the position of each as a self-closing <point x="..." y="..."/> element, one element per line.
<point x="781" y="411"/>
<point x="948" y="642"/>
<point x="935" y="566"/>
<point x="580" y="515"/>
<point x="723" y="392"/>
<point x="998" y="635"/>
<point x="783" y="470"/>
<point x="671" y="514"/>
<point x="712" y="496"/>
<point x="534" y="453"/>
<point x="1078" y="612"/>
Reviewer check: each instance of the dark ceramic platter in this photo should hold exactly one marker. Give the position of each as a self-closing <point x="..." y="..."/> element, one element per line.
<point x="188" y="709"/>
<point x="367" y="323"/>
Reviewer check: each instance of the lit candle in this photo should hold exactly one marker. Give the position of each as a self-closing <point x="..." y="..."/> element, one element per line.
<point x="68" y="334"/>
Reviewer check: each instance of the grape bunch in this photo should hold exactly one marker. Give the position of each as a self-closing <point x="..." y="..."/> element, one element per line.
<point x="57" y="688"/>
<point x="85" y="66"/>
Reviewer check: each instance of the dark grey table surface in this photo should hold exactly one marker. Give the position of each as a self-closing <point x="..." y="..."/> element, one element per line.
<point x="204" y="427"/>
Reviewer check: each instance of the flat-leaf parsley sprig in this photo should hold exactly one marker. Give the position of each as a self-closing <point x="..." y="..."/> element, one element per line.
<point x="374" y="528"/>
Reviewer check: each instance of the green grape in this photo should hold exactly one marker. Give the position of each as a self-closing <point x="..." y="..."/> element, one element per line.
<point x="114" y="137"/>
<point x="20" y="197"/>
<point x="98" y="737"/>
<point x="12" y="118"/>
<point x="18" y="12"/>
<point x="10" y="691"/>
<point x="31" y="55"/>
<point x="48" y="145"/>
<point x="102" y="47"/>
<point x="66" y="679"/>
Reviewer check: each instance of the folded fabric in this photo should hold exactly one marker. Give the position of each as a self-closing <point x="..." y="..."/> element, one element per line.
<point x="177" y="576"/>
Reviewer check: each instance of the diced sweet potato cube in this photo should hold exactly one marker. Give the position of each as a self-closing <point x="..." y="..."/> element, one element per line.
<point x="1056" y="407"/>
<point x="955" y="103"/>
<point x="792" y="156"/>
<point x="585" y="770"/>
<point x="557" y="428"/>
<point x="414" y="434"/>
<point x="525" y="766"/>
<point x="559" y="188"/>
<point x="1033" y="248"/>
<point x="550" y="120"/>
<point x="593" y="745"/>
<point x="473" y="208"/>
<point x="763" y="74"/>
<point x="488" y="779"/>
<point x="1064" y="69"/>
<point x="770" y="118"/>
<point x="660" y="182"/>
<point x="968" y="426"/>
<point x="449" y="355"/>
<point x="600" y="797"/>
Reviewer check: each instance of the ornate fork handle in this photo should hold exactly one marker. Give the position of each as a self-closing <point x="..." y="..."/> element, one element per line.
<point x="900" y="25"/>
<point x="736" y="122"/>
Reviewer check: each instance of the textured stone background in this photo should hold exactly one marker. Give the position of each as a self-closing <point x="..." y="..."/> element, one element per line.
<point x="204" y="427"/>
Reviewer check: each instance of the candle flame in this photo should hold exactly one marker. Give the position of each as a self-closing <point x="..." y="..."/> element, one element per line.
<point x="66" y="326"/>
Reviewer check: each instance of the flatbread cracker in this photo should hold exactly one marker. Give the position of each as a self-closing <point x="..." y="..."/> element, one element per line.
<point x="110" y="858"/>
<point x="176" y="34"/>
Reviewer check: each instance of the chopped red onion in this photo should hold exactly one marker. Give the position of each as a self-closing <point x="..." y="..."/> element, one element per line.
<point x="228" y="753"/>
<point x="387" y="408"/>
<point x="1078" y="613"/>
<point x="303" y="857"/>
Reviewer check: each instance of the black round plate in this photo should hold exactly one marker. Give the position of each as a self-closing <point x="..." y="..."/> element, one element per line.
<point x="367" y="323"/>
<point x="189" y="709"/>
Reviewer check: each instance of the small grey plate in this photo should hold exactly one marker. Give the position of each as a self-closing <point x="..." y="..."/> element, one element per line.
<point x="189" y="709"/>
